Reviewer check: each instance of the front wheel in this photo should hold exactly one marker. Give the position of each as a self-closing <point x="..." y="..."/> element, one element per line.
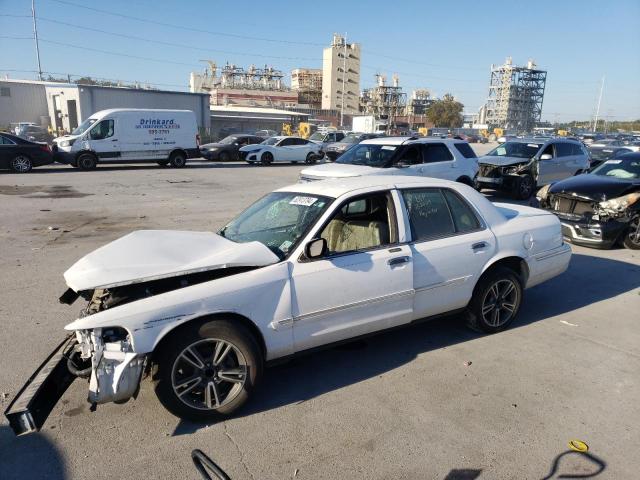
<point x="266" y="158"/>
<point x="632" y="235"/>
<point x="523" y="188"/>
<point x="87" y="161"/>
<point x="21" y="164"/>
<point x="496" y="301"/>
<point x="207" y="371"/>
<point x="311" y="158"/>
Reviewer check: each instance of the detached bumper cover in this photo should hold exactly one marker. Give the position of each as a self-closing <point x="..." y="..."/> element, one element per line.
<point x="593" y="234"/>
<point x="31" y="407"/>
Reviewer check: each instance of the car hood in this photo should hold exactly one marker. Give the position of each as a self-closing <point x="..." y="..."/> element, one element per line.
<point x="595" y="187"/>
<point x="147" y="255"/>
<point x="342" y="170"/>
<point x="215" y="145"/>
<point x="252" y="148"/>
<point x="502" y="161"/>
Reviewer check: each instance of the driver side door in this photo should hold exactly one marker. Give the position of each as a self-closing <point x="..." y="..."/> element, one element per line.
<point x="362" y="284"/>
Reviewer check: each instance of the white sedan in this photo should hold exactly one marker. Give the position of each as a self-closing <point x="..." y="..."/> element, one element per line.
<point x="282" y="149"/>
<point x="305" y="266"/>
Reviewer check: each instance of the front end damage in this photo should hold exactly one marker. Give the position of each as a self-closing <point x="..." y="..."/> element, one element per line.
<point x="505" y="177"/>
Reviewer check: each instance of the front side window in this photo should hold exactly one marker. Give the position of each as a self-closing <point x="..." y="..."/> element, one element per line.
<point x="277" y="220"/>
<point x="436" y="152"/>
<point x="318" y="137"/>
<point x="102" y="130"/>
<point x="229" y="140"/>
<point x="361" y="224"/>
<point x="369" y="155"/>
<point x="564" y="149"/>
<point x="271" y="141"/>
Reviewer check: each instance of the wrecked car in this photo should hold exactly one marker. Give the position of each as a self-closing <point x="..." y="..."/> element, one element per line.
<point x="306" y="266"/>
<point x="601" y="208"/>
<point x="521" y="165"/>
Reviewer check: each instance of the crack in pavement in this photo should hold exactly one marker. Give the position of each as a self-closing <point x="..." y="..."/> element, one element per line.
<point x="244" y="464"/>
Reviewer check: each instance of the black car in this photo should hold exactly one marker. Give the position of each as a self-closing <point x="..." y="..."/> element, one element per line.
<point x="600" y="154"/>
<point x="227" y="148"/>
<point x="22" y="155"/>
<point x="600" y="208"/>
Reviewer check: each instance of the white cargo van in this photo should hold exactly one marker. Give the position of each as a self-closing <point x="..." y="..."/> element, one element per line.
<point x="168" y="137"/>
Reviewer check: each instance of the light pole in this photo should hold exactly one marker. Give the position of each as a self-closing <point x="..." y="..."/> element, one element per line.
<point x="595" y="123"/>
<point x="35" y="37"/>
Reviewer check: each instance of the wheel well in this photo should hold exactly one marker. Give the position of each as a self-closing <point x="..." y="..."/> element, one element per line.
<point x="515" y="264"/>
<point x="83" y="152"/>
<point x="242" y="320"/>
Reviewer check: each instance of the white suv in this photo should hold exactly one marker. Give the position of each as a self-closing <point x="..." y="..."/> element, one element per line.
<point x="449" y="159"/>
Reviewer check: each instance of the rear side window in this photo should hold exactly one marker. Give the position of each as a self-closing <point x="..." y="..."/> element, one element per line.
<point x="564" y="149"/>
<point x="436" y="152"/>
<point x="428" y="212"/>
<point x="466" y="150"/>
<point x="577" y="149"/>
<point x="286" y="142"/>
<point x="464" y="219"/>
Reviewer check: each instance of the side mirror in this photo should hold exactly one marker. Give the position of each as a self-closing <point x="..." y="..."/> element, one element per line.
<point x="546" y="156"/>
<point x="316" y="248"/>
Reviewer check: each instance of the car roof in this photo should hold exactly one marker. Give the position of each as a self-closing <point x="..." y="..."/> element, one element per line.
<point x="336" y="187"/>
<point x="409" y="140"/>
<point x="542" y="140"/>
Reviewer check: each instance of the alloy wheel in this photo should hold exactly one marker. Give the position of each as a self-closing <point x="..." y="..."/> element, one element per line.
<point x="21" y="164"/>
<point x="634" y="231"/>
<point x="209" y="374"/>
<point x="499" y="303"/>
<point x="526" y="188"/>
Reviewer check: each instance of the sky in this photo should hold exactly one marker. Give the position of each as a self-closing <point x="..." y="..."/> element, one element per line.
<point x="446" y="47"/>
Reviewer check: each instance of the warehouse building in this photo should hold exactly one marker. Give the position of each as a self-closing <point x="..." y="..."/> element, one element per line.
<point x="63" y="106"/>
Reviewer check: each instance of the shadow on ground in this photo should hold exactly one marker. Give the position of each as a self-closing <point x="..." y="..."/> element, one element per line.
<point x="310" y="376"/>
<point x="31" y="456"/>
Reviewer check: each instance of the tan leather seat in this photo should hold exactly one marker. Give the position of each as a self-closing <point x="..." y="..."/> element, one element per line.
<point x="355" y="235"/>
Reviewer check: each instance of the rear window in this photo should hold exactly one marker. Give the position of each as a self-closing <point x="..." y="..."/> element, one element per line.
<point x="466" y="150"/>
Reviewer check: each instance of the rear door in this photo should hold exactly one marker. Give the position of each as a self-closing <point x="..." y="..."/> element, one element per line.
<point x="438" y="161"/>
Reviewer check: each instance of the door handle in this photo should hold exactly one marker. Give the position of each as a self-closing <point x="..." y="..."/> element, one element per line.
<point x="114" y="140"/>
<point x="478" y="246"/>
<point x="398" y="261"/>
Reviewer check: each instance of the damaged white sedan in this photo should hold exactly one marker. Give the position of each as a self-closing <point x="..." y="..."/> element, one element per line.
<point x="305" y="266"/>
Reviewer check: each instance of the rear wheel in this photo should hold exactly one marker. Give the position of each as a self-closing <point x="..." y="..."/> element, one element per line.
<point x="266" y="158"/>
<point x="207" y="371"/>
<point x="87" y="161"/>
<point x="632" y="235"/>
<point x="178" y="159"/>
<point x="496" y="300"/>
<point x="21" y="164"/>
<point x="523" y="188"/>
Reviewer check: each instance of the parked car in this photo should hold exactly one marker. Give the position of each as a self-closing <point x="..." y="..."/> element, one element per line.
<point x="15" y="127"/>
<point x="599" y="155"/>
<point x="281" y="149"/>
<point x="334" y="150"/>
<point x="119" y="135"/>
<point x="448" y="159"/>
<point x="35" y="133"/>
<point x="519" y="166"/>
<point x="265" y="133"/>
<point x="227" y="148"/>
<point x="600" y="208"/>
<point x="207" y="311"/>
<point x="22" y="155"/>
<point x="324" y="139"/>
<point x="606" y="142"/>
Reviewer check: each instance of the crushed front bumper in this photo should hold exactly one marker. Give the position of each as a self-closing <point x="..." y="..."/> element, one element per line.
<point x="31" y="407"/>
<point x="592" y="234"/>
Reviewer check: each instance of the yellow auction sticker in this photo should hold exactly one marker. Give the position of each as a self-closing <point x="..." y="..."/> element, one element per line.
<point x="578" y="446"/>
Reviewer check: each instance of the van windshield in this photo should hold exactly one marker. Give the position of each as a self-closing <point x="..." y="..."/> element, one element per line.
<point x="84" y="126"/>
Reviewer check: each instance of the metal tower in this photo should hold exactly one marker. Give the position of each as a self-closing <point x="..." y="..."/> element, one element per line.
<point x="515" y="96"/>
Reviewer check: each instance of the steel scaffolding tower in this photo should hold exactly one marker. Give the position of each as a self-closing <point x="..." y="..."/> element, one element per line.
<point x="515" y="96"/>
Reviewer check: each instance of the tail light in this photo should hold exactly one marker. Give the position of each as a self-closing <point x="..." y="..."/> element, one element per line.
<point x="45" y="148"/>
<point x="197" y="139"/>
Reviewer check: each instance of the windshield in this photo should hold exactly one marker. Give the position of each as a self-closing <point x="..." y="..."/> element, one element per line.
<point x="83" y="127"/>
<point x="515" y="149"/>
<point x="229" y="140"/>
<point x="351" y="139"/>
<point x="277" y="220"/>
<point x="317" y="136"/>
<point x="619" y="168"/>
<point x="271" y="141"/>
<point x="369" y="155"/>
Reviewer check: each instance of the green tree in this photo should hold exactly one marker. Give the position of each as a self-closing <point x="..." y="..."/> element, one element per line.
<point x="446" y="112"/>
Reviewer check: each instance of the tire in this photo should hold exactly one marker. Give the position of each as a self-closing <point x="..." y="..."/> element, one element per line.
<point x="524" y="187"/>
<point x="491" y="290"/>
<point x="224" y="157"/>
<point x="632" y="234"/>
<point x="266" y="158"/>
<point x="21" y="164"/>
<point x="177" y="159"/>
<point x="87" y="161"/>
<point x="311" y="158"/>
<point x="194" y="345"/>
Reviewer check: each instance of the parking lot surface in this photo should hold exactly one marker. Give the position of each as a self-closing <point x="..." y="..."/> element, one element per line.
<point x="431" y="401"/>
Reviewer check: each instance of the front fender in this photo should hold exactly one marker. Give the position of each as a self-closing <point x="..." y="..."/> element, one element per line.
<point x="262" y="295"/>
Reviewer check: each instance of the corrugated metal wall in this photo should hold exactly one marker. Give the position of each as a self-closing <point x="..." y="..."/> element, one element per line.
<point x="21" y="102"/>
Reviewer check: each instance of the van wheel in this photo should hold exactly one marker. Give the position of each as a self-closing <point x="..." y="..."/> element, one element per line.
<point x="207" y="371"/>
<point x="178" y="159"/>
<point x="87" y="161"/>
